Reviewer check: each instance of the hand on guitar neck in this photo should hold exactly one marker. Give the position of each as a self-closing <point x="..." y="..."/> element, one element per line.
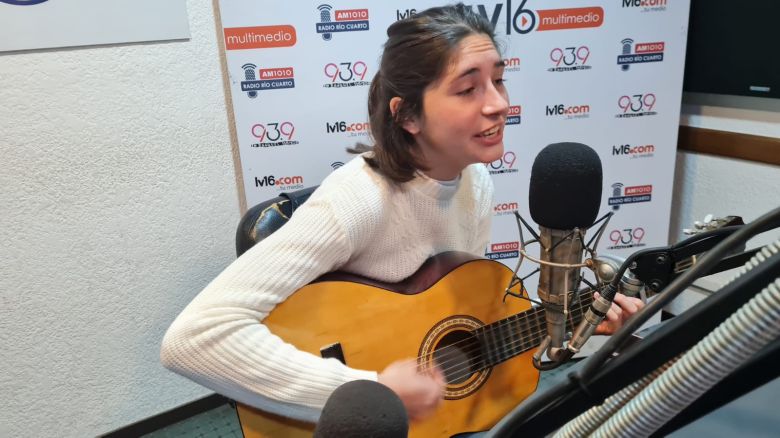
<point x="622" y="308"/>
<point x="420" y="392"/>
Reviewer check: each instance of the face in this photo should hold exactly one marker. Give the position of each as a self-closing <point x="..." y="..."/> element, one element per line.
<point x="464" y="111"/>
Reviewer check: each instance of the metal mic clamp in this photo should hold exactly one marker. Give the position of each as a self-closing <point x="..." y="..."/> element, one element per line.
<point x="607" y="266"/>
<point x="593" y="317"/>
<point x="560" y="263"/>
<point x="655" y="267"/>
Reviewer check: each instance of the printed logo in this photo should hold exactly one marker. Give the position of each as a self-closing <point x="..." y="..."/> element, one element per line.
<point x="513" y="117"/>
<point x="346" y="20"/>
<point x="568" y="112"/>
<point x="503" y="250"/>
<point x="627" y="238"/>
<point x="346" y="74"/>
<point x="505" y="164"/>
<point x="521" y="20"/>
<point x="404" y="14"/>
<point x="354" y="129"/>
<point x="280" y="182"/>
<point x="259" y="37"/>
<point x="273" y="134"/>
<point x="511" y="65"/>
<point x="642" y="52"/>
<point x="626" y="150"/>
<point x="569" y="58"/>
<point x="505" y="208"/>
<point x="336" y="164"/>
<point x="646" y="5"/>
<point x="266" y="79"/>
<point x="636" y="105"/>
<point x="629" y="195"/>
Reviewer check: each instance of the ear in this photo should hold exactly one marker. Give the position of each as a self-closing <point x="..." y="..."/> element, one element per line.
<point x="412" y="126"/>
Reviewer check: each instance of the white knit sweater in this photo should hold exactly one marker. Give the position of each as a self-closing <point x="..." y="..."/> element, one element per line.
<point x="356" y="221"/>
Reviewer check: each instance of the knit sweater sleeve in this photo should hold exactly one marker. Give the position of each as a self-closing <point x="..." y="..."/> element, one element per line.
<point x="220" y="342"/>
<point x="484" y="193"/>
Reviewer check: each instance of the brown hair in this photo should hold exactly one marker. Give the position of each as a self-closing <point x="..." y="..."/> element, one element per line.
<point x="415" y="54"/>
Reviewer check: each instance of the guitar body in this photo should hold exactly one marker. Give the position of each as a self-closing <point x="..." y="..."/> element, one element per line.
<point x="375" y="326"/>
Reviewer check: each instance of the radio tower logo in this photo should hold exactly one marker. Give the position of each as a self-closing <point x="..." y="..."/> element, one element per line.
<point x="325" y="18"/>
<point x="343" y="20"/>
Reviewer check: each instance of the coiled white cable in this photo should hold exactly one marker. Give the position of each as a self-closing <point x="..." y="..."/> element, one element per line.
<point x="591" y="419"/>
<point x="749" y="329"/>
<point x="745" y="332"/>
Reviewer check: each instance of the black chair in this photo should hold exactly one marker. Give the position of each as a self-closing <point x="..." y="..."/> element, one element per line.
<point x="266" y="217"/>
<point x="262" y="220"/>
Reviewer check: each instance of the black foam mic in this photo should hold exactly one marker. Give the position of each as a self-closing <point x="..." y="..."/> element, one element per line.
<point x="564" y="198"/>
<point x="565" y="187"/>
<point x="363" y="408"/>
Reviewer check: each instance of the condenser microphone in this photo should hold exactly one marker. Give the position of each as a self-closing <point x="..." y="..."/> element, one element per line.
<point x="363" y="408"/>
<point x="564" y="198"/>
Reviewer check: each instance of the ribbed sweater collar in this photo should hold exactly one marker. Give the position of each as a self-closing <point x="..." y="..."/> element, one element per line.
<point x="441" y="190"/>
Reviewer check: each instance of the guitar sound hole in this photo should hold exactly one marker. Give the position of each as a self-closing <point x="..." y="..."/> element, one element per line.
<point x="457" y="355"/>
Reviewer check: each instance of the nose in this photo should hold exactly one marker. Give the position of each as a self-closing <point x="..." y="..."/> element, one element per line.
<point x="496" y="101"/>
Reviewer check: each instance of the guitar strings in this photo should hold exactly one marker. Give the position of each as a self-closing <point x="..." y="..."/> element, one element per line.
<point x="516" y="319"/>
<point x="499" y="337"/>
<point x="584" y="300"/>
<point x="487" y="330"/>
<point x="535" y="339"/>
<point x="481" y="363"/>
<point x="539" y="328"/>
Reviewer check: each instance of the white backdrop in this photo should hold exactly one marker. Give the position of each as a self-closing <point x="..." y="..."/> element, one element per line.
<point x="604" y="73"/>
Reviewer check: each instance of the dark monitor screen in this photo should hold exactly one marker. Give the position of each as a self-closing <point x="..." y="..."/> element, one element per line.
<point x="734" y="48"/>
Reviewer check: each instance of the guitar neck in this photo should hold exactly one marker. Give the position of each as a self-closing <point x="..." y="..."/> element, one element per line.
<point x="509" y="337"/>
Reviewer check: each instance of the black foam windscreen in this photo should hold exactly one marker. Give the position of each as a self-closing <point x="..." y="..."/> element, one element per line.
<point x="565" y="189"/>
<point x="363" y="408"/>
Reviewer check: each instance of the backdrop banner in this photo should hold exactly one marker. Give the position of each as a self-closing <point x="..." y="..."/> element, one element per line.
<point x="604" y="73"/>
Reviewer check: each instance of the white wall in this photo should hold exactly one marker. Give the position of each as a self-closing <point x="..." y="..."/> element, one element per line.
<point x="706" y="184"/>
<point x="118" y="205"/>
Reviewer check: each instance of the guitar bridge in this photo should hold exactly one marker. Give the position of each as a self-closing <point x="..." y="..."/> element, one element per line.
<point x="333" y="351"/>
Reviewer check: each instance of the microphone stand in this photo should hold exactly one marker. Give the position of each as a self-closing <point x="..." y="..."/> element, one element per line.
<point x="585" y="387"/>
<point x="559" y="354"/>
<point x="666" y="342"/>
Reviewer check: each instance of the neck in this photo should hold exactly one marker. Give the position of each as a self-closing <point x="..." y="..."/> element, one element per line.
<point x="442" y="174"/>
<point x="440" y="167"/>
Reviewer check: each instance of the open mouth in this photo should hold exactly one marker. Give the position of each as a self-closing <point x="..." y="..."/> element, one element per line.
<point x="490" y="132"/>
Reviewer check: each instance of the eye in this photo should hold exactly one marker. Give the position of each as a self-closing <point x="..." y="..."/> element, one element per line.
<point x="466" y="92"/>
<point x="499" y="81"/>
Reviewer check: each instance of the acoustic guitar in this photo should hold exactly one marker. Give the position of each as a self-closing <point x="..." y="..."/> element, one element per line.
<point x="452" y="312"/>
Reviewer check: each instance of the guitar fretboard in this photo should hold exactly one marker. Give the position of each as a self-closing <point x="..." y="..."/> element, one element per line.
<point x="514" y="335"/>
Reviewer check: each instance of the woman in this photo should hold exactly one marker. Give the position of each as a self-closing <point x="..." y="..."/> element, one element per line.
<point x="437" y="109"/>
